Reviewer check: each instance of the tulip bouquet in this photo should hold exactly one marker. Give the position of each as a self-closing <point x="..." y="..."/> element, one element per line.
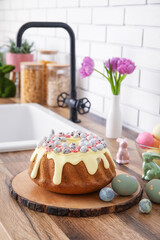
<point x="116" y="70"/>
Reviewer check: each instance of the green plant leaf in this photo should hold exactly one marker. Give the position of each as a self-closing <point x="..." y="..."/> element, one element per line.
<point x="111" y="77"/>
<point x="25" y="47"/>
<point x="7" y="88"/>
<point x="6" y="68"/>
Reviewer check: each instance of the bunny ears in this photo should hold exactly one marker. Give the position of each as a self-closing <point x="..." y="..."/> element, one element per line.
<point x="121" y="140"/>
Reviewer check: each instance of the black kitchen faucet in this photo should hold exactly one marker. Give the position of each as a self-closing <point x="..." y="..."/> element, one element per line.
<point x="64" y="99"/>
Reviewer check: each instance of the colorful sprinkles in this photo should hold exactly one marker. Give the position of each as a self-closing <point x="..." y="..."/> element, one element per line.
<point x="58" y="142"/>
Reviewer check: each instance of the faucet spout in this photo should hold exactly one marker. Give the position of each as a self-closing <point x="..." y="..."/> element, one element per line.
<point x="73" y="93"/>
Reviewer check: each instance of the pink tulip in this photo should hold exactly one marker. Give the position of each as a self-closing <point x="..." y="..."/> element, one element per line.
<point x="125" y="66"/>
<point x="113" y="63"/>
<point x="87" y="67"/>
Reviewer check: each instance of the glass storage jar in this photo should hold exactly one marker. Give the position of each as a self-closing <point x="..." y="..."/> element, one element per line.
<point x="45" y="57"/>
<point x="58" y="81"/>
<point x="31" y="82"/>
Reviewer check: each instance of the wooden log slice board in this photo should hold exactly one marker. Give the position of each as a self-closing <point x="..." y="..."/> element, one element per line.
<point x="26" y="192"/>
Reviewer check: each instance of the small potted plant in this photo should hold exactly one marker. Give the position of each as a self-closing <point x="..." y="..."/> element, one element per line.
<point x="16" y="55"/>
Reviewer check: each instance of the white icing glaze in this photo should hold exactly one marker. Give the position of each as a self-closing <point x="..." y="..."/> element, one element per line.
<point x="90" y="159"/>
<point x="39" y="152"/>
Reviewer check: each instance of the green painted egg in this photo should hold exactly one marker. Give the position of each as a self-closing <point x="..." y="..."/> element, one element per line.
<point x="124" y="184"/>
<point x="145" y="206"/>
<point x="153" y="190"/>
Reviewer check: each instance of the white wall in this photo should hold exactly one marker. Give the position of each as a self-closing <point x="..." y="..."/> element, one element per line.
<point x="103" y="29"/>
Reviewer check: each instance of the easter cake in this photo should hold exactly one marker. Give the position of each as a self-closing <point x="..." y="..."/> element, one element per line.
<point x="72" y="163"/>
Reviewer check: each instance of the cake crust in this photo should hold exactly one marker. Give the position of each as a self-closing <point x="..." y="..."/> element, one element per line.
<point x="75" y="178"/>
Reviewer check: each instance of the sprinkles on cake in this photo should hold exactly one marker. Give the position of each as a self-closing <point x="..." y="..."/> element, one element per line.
<point x="82" y="142"/>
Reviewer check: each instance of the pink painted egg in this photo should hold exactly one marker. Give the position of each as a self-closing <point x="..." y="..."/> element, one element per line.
<point x="146" y="139"/>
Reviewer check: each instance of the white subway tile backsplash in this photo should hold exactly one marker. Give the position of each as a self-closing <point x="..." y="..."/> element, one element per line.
<point x="14" y="26"/>
<point x="143" y="57"/>
<point x="39" y="41"/>
<point x="30" y="4"/>
<point x="78" y="62"/>
<point x="22" y="15"/>
<point x="68" y="3"/>
<point x="140" y="99"/>
<point x="47" y="3"/>
<point x="57" y="15"/>
<point x="16" y="4"/>
<point x="126" y="2"/>
<point x="153" y="1"/>
<point x="124" y="35"/>
<point x="150" y="81"/>
<point x="79" y="15"/>
<point x="68" y="46"/>
<point x="82" y="83"/>
<point x="62" y="33"/>
<point x="9" y="15"/>
<point x="129" y="115"/>
<point x="48" y="32"/>
<point x="32" y="32"/>
<point x="151" y="37"/>
<point x="98" y="86"/>
<point x="75" y="29"/>
<point x="93" y="3"/>
<point x="108" y="16"/>
<point x="8" y="36"/>
<point x="96" y="101"/>
<point x="4" y="4"/>
<point x="82" y="48"/>
<point x="52" y="43"/>
<point x="88" y="32"/>
<point x="148" y="15"/>
<point x="1" y="16"/>
<point x="104" y="51"/>
<point x="99" y="65"/>
<point x="132" y="79"/>
<point x="38" y="15"/>
<point x="148" y="121"/>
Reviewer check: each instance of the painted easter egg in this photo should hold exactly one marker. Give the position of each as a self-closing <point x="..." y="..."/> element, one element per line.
<point x="125" y="185"/>
<point x="156" y="131"/>
<point x="145" y="206"/>
<point x="146" y="139"/>
<point x="153" y="190"/>
<point x="156" y="143"/>
<point x="106" y="194"/>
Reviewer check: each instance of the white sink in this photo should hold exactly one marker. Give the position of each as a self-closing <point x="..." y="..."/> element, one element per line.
<point x="22" y="125"/>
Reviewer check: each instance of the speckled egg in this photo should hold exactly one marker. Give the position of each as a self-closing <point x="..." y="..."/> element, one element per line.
<point x="153" y="190"/>
<point x="145" y="206"/>
<point x="106" y="194"/>
<point x="124" y="184"/>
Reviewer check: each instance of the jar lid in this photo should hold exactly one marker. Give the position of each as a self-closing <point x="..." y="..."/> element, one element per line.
<point x="32" y="64"/>
<point x="55" y="65"/>
<point x="47" y="52"/>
